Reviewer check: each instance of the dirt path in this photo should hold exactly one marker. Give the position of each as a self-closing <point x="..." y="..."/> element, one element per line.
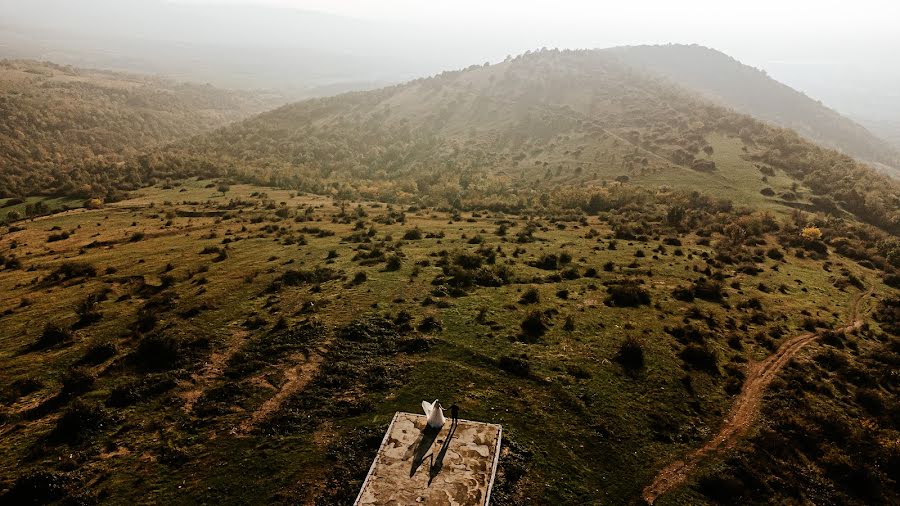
<point x="746" y="406"/>
<point x="212" y="369"/>
<point x="296" y="378"/>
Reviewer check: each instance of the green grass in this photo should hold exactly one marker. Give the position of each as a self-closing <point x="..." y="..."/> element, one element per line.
<point x="590" y="436"/>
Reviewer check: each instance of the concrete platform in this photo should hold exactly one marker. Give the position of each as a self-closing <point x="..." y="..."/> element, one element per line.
<point x="451" y="467"/>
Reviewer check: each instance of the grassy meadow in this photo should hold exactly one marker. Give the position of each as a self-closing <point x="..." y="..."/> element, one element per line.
<point x="136" y="348"/>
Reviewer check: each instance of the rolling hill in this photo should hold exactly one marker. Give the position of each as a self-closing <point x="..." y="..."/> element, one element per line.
<point x="751" y="91"/>
<point x="502" y="135"/>
<point x="62" y="123"/>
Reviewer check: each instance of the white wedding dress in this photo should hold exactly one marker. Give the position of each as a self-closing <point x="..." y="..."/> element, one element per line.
<point x="434" y="413"/>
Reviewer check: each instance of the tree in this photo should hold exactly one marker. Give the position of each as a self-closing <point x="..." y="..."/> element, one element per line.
<point x="811" y="233"/>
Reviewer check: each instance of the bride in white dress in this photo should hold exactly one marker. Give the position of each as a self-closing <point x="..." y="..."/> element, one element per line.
<point x="434" y="412"/>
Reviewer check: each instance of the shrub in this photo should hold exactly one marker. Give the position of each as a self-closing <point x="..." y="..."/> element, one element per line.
<point x="139" y="390"/>
<point x="775" y="254"/>
<point x="302" y="277"/>
<point x="578" y="371"/>
<point x="871" y="400"/>
<point x="708" y="290"/>
<point x="534" y="325"/>
<point x="811" y="233"/>
<point x="87" y="310"/>
<point x="79" y="422"/>
<point x="684" y="294"/>
<point x="631" y="354"/>
<point x="157" y="353"/>
<point x="39" y="487"/>
<point x="892" y="280"/>
<point x="72" y="270"/>
<point x="52" y="335"/>
<point x="700" y="358"/>
<point x="723" y="489"/>
<point x="359" y="278"/>
<point x="393" y="263"/>
<point x="518" y="366"/>
<point x="430" y="324"/>
<point x="255" y="322"/>
<point x="627" y="294"/>
<point x="570" y="274"/>
<point x="19" y="388"/>
<point x="413" y="234"/>
<point x="98" y="353"/>
<point x="547" y="262"/>
<point x="702" y="288"/>
<point x="77" y="381"/>
<point x="146" y="319"/>
<point x="60" y="236"/>
<point x="531" y="296"/>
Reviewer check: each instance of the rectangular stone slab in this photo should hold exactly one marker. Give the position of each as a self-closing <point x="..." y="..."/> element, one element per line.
<point x="458" y="472"/>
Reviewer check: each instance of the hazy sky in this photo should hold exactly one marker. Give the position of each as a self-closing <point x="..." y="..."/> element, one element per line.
<point x="757" y="32"/>
<point x="842" y="52"/>
<point x="813" y="30"/>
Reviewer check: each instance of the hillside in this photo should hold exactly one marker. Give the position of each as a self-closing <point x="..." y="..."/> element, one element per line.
<point x="62" y="123"/>
<point x="621" y="273"/>
<point x="500" y="136"/>
<point x="751" y="91"/>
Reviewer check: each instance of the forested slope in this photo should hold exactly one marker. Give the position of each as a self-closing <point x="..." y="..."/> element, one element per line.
<point x="61" y="125"/>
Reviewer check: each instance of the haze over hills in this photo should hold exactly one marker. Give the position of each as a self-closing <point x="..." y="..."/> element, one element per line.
<point x="290" y="45"/>
<point x="251" y="47"/>
<point x="864" y="87"/>
<point x="752" y="91"/>
<point x="62" y="123"/>
<point x="495" y="135"/>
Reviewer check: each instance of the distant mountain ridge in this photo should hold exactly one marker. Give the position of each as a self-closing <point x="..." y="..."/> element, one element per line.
<point x="751" y="91"/>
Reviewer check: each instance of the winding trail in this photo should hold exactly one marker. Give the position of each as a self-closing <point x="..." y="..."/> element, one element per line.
<point x="296" y="378"/>
<point x="746" y="406"/>
<point x="212" y="369"/>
